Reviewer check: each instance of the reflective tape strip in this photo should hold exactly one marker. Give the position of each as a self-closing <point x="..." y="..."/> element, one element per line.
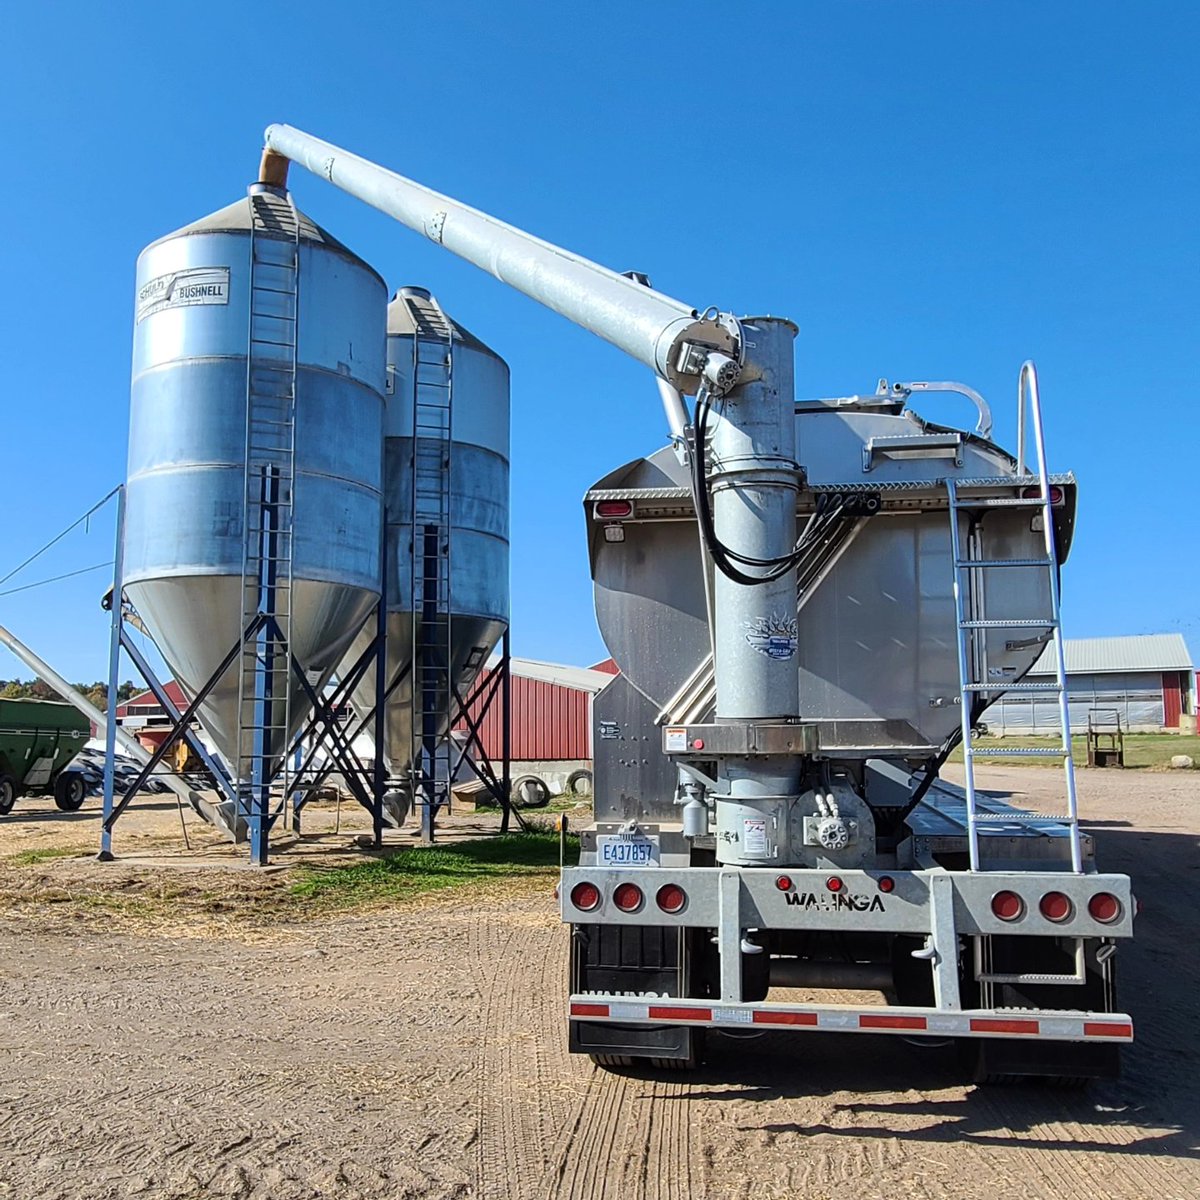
<point x="887" y="1021"/>
<point x="1055" y="1026"/>
<point x="1019" y="1027"/>
<point x="667" y="1012"/>
<point x="767" y="1016"/>
<point x="1108" y="1029"/>
<point x="589" y="1010"/>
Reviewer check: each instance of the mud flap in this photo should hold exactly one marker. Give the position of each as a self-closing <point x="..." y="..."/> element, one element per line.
<point x="676" y="1042"/>
<point x="634" y="960"/>
<point x="993" y="1060"/>
<point x="1003" y="1060"/>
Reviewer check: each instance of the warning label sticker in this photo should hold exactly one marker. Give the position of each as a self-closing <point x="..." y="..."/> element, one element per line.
<point x="754" y="835"/>
<point x="181" y="289"/>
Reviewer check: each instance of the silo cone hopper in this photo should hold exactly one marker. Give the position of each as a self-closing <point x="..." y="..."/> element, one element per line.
<point x="195" y="621"/>
<point x="257" y="403"/>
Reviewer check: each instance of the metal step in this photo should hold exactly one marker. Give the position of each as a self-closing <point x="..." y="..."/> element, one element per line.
<point x="1023" y="818"/>
<point x="988" y="563"/>
<point x="1013" y="687"/>
<point x="1000" y="502"/>
<point x="1016" y="752"/>
<point x="1011" y="623"/>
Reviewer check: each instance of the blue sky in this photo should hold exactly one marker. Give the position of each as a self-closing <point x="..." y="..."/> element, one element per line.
<point x="930" y="190"/>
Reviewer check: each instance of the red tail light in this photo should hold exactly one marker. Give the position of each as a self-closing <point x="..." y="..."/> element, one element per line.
<point x="783" y="883"/>
<point x="1035" y="493"/>
<point x="671" y="898"/>
<point x="1056" y="907"/>
<point x="614" y="509"/>
<point x="1008" y="906"/>
<point x="834" y="883"/>
<point x="1104" y="907"/>
<point x="585" y="896"/>
<point x="628" y="897"/>
<point x="887" y="883"/>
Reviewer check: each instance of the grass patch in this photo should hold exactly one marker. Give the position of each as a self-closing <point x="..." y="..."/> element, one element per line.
<point x="1142" y="750"/>
<point x="31" y="858"/>
<point x="419" y="870"/>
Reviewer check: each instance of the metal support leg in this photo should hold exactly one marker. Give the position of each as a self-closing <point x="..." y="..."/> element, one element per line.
<point x="379" y="776"/>
<point x="114" y="675"/>
<point x="729" y="935"/>
<point x="943" y="943"/>
<point x="506" y="732"/>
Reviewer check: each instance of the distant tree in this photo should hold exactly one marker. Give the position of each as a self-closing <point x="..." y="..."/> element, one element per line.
<point x="127" y="690"/>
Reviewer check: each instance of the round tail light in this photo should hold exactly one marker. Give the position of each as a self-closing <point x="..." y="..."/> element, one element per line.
<point x="887" y="883"/>
<point x="834" y="883"/>
<point x="628" y="897"/>
<point x="1056" y="907"/>
<point x="671" y="898"/>
<point x="1008" y="906"/>
<point x="1104" y="907"/>
<point x="783" y="883"/>
<point x="585" y="896"/>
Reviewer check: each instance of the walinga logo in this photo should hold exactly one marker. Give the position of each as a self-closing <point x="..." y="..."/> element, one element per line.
<point x="834" y="902"/>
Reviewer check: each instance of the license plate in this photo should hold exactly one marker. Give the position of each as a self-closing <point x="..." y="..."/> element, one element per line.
<point x="635" y="851"/>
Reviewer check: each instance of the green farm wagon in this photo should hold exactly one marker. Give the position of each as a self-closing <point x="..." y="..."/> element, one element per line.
<point x="38" y="739"/>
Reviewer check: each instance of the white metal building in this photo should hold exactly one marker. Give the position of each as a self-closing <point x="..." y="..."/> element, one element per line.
<point x="1149" y="680"/>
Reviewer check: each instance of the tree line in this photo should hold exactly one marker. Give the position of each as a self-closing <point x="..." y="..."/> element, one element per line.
<point x="39" y="689"/>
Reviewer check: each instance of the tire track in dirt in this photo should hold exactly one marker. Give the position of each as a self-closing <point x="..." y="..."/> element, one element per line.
<point x="515" y="1074"/>
<point x="1073" y="1159"/>
<point x="628" y="1138"/>
<point x="586" y="1162"/>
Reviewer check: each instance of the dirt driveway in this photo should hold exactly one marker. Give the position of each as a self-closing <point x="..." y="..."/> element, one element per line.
<point x="420" y="1053"/>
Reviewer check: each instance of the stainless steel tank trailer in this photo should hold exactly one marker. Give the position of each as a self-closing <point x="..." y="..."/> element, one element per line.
<point x="303" y="455"/>
<point x="811" y="603"/>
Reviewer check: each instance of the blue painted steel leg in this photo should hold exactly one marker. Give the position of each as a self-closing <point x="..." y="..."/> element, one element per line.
<point x="429" y="690"/>
<point x="114" y="676"/>
<point x="379" y="774"/>
<point x="264" y="683"/>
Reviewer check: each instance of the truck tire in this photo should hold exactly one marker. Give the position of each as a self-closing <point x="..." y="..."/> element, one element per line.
<point x="70" y="791"/>
<point x="612" y="1062"/>
<point x="8" y="794"/>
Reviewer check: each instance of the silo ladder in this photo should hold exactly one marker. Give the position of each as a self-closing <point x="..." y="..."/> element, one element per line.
<point x="264" y="707"/>
<point x="970" y="571"/>
<point x="432" y="651"/>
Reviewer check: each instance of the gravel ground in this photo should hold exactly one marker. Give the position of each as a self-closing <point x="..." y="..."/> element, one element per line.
<point x="420" y="1053"/>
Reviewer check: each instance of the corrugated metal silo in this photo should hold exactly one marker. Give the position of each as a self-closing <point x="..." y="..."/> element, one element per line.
<point x="446" y="428"/>
<point x="254" y="300"/>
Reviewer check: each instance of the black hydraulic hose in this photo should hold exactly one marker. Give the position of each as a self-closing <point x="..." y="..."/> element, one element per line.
<point x="724" y="556"/>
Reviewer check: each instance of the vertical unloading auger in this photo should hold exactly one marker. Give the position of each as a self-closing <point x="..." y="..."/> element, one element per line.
<point x="742" y="365"/>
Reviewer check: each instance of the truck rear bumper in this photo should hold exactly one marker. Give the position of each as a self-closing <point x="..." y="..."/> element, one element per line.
<point x="1025" y="1024"/>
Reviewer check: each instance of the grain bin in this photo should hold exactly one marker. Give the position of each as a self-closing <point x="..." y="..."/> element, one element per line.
<point x="254" y="305"/>
<point x="447" y="513"/>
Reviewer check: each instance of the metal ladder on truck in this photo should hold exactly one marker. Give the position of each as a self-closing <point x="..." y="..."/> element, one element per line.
<point x="970" y="573"/>
<point x="433" y="355"/>
<point x="264" y="684"/>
